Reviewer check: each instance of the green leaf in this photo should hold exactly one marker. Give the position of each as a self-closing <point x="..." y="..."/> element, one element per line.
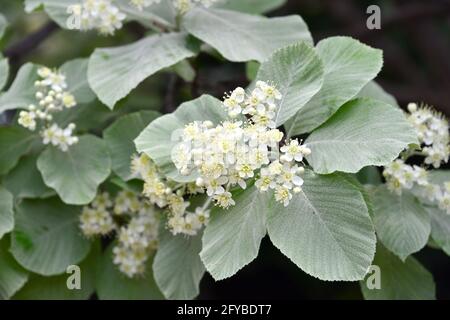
<point x="363" y="132"/>
<point x="241" y="37"/>
<point x="297" y="72"/>
<point x="407" y="280"/>
<point x="76" y="173"/>
<point x="251" y="70"/>
<point x="440" y="228"/>
<point x="46" y="238"/>
<point x="401" y="223"/>
<point x="158" y="139"/>
<point x="251" y="6"/>
<point x="232" y="238"/>
<point x="31" y="5"/>
<point x="326" y="229"/>
<point x="184" y="70"/>
<point x="114" y="72"/>
<point x="120" y="136"/>
<point x="349" y="65"/>
<point x="12" y="275"/>
<point x="4" y="72"/>
<point x="14" y="143"/>
<point x="26" y="170"/>
<point x="6" y="212"/>
<point x="3" y="26"/>
<point x="77" y="82"/>
<point x="177" y="266"/>
<point x="111" y="284"/>
<point x="55" y="287"/>
<point x="21" y="93"/>
<point x="375" y="91"/>
<point x="369" y="175"/>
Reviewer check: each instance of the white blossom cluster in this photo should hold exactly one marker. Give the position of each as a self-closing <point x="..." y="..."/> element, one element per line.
<point x="137" y="237"/>
<point x="101" y="15"/>
<point x="165" y="194"/>
<point x="226" y="155"/>
<point x="141" y="4"/>
<point x="432" y="131"/>
<point x="52" y="97"/>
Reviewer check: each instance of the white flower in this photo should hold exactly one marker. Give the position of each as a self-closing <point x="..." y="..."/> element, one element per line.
<point x="27" y="120"/>
<point x="224" y="200"/>
<point x="141" y="4"/>
<point x="283" y="195"/>
<point x="294" y="151"/>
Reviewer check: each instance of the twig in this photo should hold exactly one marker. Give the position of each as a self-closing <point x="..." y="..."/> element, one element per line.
<point x="29" y="43"/>
<point x="169" y="99"/>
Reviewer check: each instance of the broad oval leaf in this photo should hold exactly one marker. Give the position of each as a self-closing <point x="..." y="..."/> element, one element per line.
<point x="326" y="229"/>
<point x="297" y="72"/>
<point x="4" y="72"/>
<point x="157" y="140"/>
<point x="77" y="82"/>
<point x="76" y="173"/>
<point x="3" y="26"/>
<point x="21" y="93"/>
<point x="177" y="266"/>
<point x="12" y="275"/>
<point x="55" y="287"/>
<point x="111" y="284"/>
<point x="120" y="136"/>
<point x="349" y="65"/>
<point x="374" y="91"/>
<point x="14" y="143"/>
<point x="26" y="170"/>
<point x="114" y="72"/>
<point x="440" y="228"/>
<point x="47" y="238"/>
<point x="363" y="132"/>
<point x="242" y="37"/>
<point x="407" y="280"/>
<point x="232" y="238"/>
<point x="401" y="223"/>
<point x="251" y="6"/>
<point x="6" y="211"/>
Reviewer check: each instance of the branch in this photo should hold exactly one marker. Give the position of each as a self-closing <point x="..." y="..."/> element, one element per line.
<point x="31" y="42"/>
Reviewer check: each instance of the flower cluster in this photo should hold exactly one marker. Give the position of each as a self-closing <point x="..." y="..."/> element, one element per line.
<point x="432" y="131"/>
<point x="101" y="15"/>
<point x="52" y="97"/>
<point x="226" y="155"/>
<point x="137" y="234"/>
<point x="166" y="194"/>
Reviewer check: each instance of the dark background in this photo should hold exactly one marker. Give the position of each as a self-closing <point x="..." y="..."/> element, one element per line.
<point x="415" y="38"/>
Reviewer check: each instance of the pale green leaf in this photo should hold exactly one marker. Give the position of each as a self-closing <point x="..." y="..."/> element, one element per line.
<point x="111" y="284"/>
<point x="31" y="5"/>
<point x="114" y="72"/>
<point x="21" y="93"/>
<point x="26" y="170"/>
<point x="160" y="136"/>
<point x="12" y="275"/>
<point x="363" y="132"/>
<point x="47" y="238"/>
<point x="407" y="280"/>
<point x="184" y="70"/>
<point x="242" y="37"/>
<point x="349" y="65"/>
<point x="251" y="6"/>
<point x="297" y="72"/>
<point x="6" y="212"/>
<point x="4" y="72"/>
<point x="375" y="91"/>
<point x="120" y="136"/>
<point x="401" y="223"/>
<point x="76" y="78"/>
<point x="55" y="287"/>
<point x="232" y="238"/>
<point x="76" y="174"/>
<point x="440" y="228"/>
<point x="326" y="229"/>
<point x="3" y="26"/>
<point x="14" y="143"/>
<point x="177" y="266"/>
<point x="369" y="175"/>
<point x="251" y="70"/>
